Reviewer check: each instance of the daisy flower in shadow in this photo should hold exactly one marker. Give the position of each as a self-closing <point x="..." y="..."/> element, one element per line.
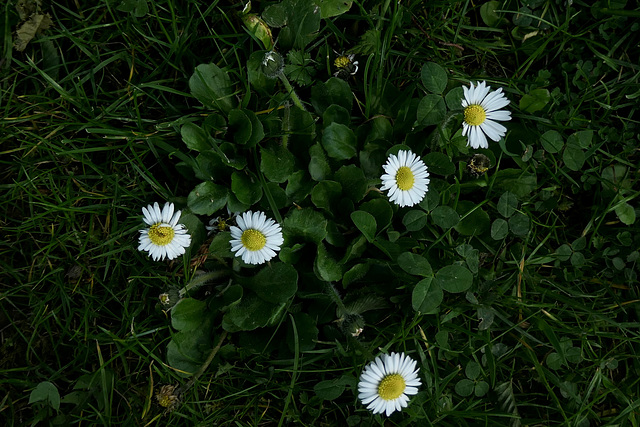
<point x="482" y="112"/>
<point x="406" y="178"/>
<point x="164" y="238"/>
<point x="386" y="383"/>
<point x="256" y="238"/>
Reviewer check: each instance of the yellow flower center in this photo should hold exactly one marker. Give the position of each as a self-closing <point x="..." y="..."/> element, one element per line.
<point x="253" y="239"/>
<point x="474" y="115"/>
<point x="342" y="62"/>
<point x="405" y="178"/>
<point x="161" y="234"/>
<point x="391" y="387"/>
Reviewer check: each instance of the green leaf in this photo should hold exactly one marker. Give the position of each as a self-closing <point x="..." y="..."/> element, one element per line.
<point x="552" y="141"/>
<point x="426" y="296"/>
<point x="194" y="137"/>
<point x="488" y="13"/>
<point x="473" y="370"/>
<point x="474" y="223"/>
<point x="381" y="210"/>
<point x="434" y="77"/>
<point x="246" y="187"/>
<point x="220" y="245"/>
<point x="482" y="388"/>
<point x="439" y="163"/>
<point x="431" y="110"/>
<point x="327" y="267"/>
<point x="470" y="255"/>
<point x="454" y="98"/>
<point x="354" y="274"/>
<point x="239" y="126"/>
<point x="339" y="141"/>
<point x="454" y="278"/>
<point x="46" y="392"/>
<point x="299" y="186"/>
<point x="276" y="283"/>
<point x="431" y="200"/>
<point x="626" y="213"/>
<point x="573" y="156"/>
<point x="507" y="204"/>
<point x="535" y="100"/>
<point x="306" y="224"/>
<point x="516" y="181"/>
<point x="465" y="387"/>
<point x="366" y="223"/>
<point x="187" y="314"/>
<point x="326" y="194"/>
<point x="519" y="224"/>
<point x="415" y="264"/>
<point x="445" y="217"/>
<point x="499" y="229"/>
<point x="334" y="91"/>
<point x="332" y="389"/>
<point x="276" y="163"/>
<point x="353" y="181"/>
<point x="212" y="87"/>
<point x="187" y="350"/>
<point x="306" y="332"/>
<point x="251" y="313"/>
<point x="415" y="220"/>
<point x="319" y="168"/>
<point x="207" y="198"/>
<point x="137" y="8"/>
<point x="331" y="8"/>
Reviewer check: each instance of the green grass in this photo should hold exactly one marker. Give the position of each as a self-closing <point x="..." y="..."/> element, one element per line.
<point x="90" y="132"/>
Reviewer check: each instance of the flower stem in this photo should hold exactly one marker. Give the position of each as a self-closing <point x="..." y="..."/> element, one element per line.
<point x="292" y="93"/>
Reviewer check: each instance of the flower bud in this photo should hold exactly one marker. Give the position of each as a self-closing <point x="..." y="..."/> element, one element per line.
<point x="272" y="64"/>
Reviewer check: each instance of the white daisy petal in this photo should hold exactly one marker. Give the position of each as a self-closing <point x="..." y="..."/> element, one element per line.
<point x="406" y="178"/>
<point x="482" y="111"/>
<point x="257" y="238"/>
<point x="386" y="382"/>
<point x="164" y="238"/>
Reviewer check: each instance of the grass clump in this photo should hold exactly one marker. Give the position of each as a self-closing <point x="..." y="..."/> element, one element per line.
<point x="512" y="282"/>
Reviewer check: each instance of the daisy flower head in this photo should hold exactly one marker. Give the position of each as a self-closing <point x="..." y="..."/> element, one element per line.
<point x="482" y="112"/>
<point x="256" y="238"/>
<point x="406" y="178"/>
<point x="164" y="238"/>
<point x="386" y="382"/>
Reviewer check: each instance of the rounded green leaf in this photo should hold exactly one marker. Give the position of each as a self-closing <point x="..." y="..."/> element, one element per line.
<point x="426" y="296"/>
<point x="507" y="204"/>
<point x="439" y="163"/>
<point x="465" y="387"/>
<point x="332" y="389"/>
<point x="306" y="224"/>
<point x="381" y="210"/>
<point x="319" y="168"/>
<point x="552" y="141"/>
<point x="573" y="157"/>
<point x="276" y="163"/>
<point x="488" y="13"/>
<point x="415" y="264"/>
<point x="246" y="187"/>
<point x="194" y="137"/>
<point x="366" y="223"/>
<point x="474" y="222"/>
<point x="339" y="141"/>
<point x="207" y="198"/>
<point x="519" y="224"/>
<point x="306" y="332"/>
<point x="434" y="77"/>
<point x="212" y="87"/>
<point x="251" y="313"/>
<point x="415" y="220"/>
<point x="326" y="266"/>
<point x="46" y="392"/>
<point x="353" y="181"/>
<point x="275" y="283"/>
<point x="188" y="314"/>
<point x="326" y="193"/>
<point x="445" y="217"/>
<point x="431" y="110"/>
<point x="240" y="126"/>
<point x="499" y="229"/>
<point x="626" y="213"/>
<point x="473" y="370"/>
<point x="535" y="100"/>
<point x="454" y="278"/>
<point x="454" y="98"/>
<point x="481" y="389"/>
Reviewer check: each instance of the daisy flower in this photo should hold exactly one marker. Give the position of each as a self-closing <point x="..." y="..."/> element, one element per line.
<point x="256" y="238"/>
<point x="406" y="178"/>
<point x="386" y="382"/>
<point x="164" y="238"/>
<point x="481" y="111"/>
